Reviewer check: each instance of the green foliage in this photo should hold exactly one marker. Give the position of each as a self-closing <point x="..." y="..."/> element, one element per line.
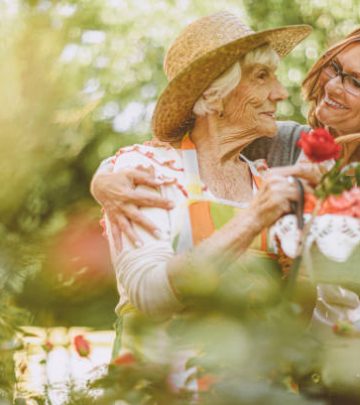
<point x="81" y="79"/>
<point x="249" y="353"/>
<point x="338" y="180"/>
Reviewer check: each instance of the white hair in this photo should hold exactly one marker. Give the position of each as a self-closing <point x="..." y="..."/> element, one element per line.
<point x="227" y="82"/>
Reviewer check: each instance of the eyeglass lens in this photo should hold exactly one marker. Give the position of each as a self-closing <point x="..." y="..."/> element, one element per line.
<point x="350" y="83"/>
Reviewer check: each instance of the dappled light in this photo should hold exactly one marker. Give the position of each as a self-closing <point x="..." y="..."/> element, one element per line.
<point x="79" y="80"/>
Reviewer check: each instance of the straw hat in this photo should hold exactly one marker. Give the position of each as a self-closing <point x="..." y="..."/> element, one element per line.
<point x="201" y="53"/>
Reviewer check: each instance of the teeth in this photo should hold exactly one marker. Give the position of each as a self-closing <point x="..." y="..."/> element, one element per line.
<point x="333" y="103"/>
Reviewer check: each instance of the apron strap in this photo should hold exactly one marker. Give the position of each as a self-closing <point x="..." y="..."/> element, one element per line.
<point x="191" y="168"/>
<point x="199" y="223"/>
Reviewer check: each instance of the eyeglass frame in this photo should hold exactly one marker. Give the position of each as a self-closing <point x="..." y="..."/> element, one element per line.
<point x="339" y="72"/>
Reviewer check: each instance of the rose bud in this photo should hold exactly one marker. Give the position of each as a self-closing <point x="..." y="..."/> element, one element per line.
<point x="82" y="346"/>
<point x="47" y="346"/>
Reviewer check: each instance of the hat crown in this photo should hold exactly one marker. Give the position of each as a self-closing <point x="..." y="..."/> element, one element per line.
<point x="200" y="38"/>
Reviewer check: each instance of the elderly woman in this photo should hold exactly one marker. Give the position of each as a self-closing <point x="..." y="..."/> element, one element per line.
<point x="116" y="190"/>
<point x="332" y="89"/>
<point x="222" y="95"/>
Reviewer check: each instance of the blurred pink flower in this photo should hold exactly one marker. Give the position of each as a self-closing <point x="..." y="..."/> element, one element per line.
<point x="126" y="359"/>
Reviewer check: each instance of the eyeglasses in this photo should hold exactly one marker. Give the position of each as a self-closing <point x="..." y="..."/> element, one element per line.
<point x="349" y="82"/>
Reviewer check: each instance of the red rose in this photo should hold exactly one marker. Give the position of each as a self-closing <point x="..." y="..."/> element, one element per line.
<point x="48" y="346"/>
<point x="82" y="346"/>
<point x="126" y="359"/>
<point x="319" y="145"/>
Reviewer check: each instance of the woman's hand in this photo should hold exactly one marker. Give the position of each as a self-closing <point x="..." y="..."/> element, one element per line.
<point x="117" y="193"/>
<point x="310" y="172"/>
<point x="272" y="201"/>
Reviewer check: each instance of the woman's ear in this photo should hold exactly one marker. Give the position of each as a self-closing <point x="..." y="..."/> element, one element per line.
<point x="217" y="107"/>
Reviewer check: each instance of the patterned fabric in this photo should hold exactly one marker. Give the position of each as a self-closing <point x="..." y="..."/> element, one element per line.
<point x="336" y="236"/>
<point x="333" y="240"/>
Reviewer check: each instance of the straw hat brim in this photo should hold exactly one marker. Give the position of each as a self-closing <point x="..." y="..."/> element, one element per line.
<point x="175" y="104"/>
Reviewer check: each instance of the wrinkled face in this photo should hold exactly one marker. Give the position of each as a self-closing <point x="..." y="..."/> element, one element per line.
<point x="252" y="104"/>
<point x="338" y="108"/>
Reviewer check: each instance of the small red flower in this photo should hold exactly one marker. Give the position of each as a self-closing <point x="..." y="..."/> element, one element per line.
<point x="343" y="328"/>
<point x="310" y="202"/>
<point x="48" y="346"/>
<point x="82" y="346"/>
<point x="319" y="145"/>
<point x="206" y="381"/>
<point x="126" y="359"/>
<point x="291" y="385"/>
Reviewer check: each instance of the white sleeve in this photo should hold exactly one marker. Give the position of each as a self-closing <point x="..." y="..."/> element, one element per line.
<point x="142" y="271"/>
<point x="143" y="274"/>
<point x="106" y="166"/>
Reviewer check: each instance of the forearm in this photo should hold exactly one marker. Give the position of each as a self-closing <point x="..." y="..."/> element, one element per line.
<point x="156" y="280"/>
<point x="202" y="265"/>
<point x="143" y="274"/>
<point x="233" y="238"/>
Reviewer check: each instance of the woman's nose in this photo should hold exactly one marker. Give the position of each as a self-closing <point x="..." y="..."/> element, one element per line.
<point x="334" y="85"/>
<point x="278" y="92"/>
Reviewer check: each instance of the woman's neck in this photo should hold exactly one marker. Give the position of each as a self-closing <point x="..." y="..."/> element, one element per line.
<point x="218" y="151"/>
<point x="351" y="152"/>
<point x="220" y="142"/>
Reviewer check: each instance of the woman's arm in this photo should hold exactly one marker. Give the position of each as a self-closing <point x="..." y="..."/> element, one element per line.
<point x="156" y="279"/>
<point x="153" y="276"/>
<point x="271" y="202"/>
<point x="117" y="193"/>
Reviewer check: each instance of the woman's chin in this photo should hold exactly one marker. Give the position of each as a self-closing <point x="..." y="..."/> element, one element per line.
<point x="323" y="114"/>
<point x="269" y="129"/>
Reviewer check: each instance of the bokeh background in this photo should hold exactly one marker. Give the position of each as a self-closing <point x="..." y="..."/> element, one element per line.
<point x="78" y="80"/>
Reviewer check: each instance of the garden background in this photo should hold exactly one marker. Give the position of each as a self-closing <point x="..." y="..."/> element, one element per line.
<point x="78" y="80"/>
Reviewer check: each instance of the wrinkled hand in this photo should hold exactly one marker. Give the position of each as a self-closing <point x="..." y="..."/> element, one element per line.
<point x="273" y="200"/>
<point x="118" y="195"/>
<point x="310" y="172"/>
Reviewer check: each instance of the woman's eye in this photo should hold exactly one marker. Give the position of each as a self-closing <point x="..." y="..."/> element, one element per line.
<point x="355" y="83"/>
<point x="263" y="75"/>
